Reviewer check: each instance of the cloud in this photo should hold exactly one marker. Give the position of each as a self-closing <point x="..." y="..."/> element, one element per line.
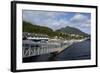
<point x="80" y="20"/>
<point x="54" y="20"/>
<point x="57" y="20"/>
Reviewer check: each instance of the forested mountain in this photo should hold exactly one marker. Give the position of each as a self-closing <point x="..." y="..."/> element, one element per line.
<point x="72" y="30"/>
<point x="32" y="28"/>
<point x="61" y="33"/>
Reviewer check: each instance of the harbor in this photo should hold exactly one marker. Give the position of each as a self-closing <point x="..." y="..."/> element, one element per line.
<point x="77" y="51"/>
<point x="55" y="36"/>
<point x="40" y="45"/>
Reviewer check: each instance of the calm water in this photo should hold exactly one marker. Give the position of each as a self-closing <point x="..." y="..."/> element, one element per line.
<point x="77" y="51"/>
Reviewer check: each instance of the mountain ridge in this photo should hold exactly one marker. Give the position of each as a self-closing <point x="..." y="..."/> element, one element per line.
<point x="63" y="32"/>
<point x="72" y="30"/>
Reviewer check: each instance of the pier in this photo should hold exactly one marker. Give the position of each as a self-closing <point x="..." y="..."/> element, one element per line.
<point x="34" y="46"/>
<point x="31" y="48"/>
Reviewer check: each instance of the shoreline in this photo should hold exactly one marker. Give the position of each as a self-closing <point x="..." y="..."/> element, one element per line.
<point x="58" y="57"/>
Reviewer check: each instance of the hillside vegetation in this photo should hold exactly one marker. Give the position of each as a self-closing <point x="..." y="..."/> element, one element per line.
<point x="64" y="33"/>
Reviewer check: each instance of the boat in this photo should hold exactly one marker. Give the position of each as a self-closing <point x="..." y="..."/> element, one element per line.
<point x="35" y="44"/>
<point x="38" y="46"/>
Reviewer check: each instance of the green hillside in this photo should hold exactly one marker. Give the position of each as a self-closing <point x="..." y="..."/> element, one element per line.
<point x="72" y="30"/>
<point x="32" y="28"/>
<point x="63" y="33"/>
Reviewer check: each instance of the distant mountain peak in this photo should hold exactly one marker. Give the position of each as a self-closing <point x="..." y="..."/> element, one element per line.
<point x="72" y="30"/>
<point x="32" y="28"/>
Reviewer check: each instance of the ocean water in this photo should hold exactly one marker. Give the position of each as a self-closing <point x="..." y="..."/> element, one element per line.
<point x="77" y="51"/>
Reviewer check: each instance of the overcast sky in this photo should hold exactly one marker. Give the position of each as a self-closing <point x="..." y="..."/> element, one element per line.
<point x="57" y="20"/>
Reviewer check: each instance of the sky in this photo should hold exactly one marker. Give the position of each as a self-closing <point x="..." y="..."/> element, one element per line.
<point x="56" y="19"/>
